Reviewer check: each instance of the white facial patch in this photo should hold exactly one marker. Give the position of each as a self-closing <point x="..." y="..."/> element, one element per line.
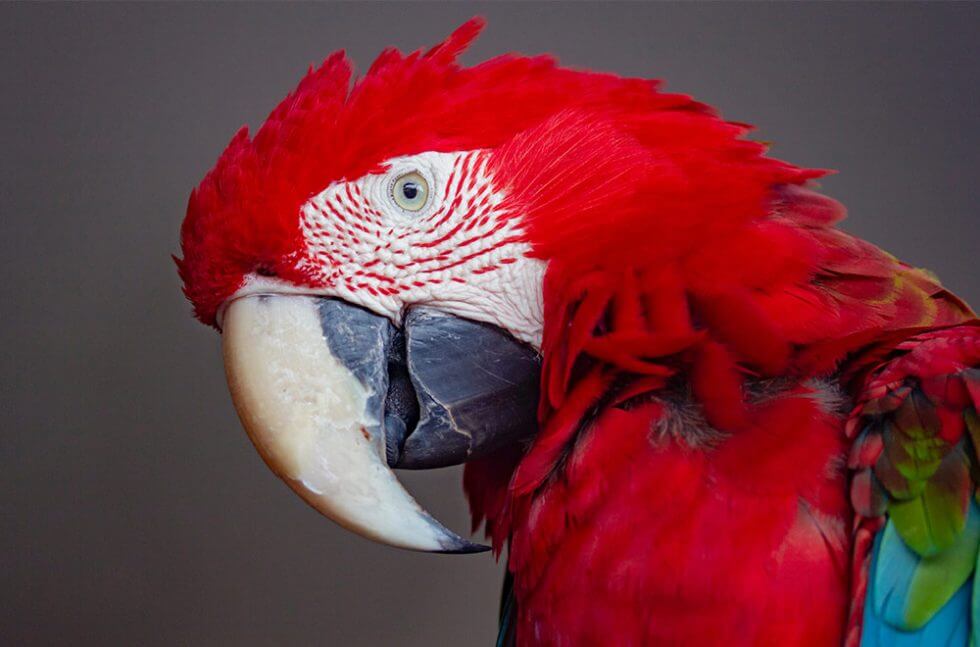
<point x="460" y="252"/>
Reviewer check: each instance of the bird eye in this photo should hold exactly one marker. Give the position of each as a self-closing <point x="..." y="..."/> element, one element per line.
<point x="410" y="191"/>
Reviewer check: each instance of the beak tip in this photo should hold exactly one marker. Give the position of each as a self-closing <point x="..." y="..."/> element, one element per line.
<point x="463" y="547"/>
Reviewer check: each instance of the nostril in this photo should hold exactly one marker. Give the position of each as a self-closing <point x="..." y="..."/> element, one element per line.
<point x="265" y="271"/>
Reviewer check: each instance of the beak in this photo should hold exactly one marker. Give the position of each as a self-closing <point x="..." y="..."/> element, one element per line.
<point x="333" y="396"/>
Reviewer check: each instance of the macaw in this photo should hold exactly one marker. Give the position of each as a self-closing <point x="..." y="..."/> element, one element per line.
<point x="691" y="409"/>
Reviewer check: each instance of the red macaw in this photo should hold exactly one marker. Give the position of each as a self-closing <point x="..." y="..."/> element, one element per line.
<point x="693" y="410"/>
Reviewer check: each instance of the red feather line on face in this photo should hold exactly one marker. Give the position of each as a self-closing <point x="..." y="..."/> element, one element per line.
<point x="333" y="231"/>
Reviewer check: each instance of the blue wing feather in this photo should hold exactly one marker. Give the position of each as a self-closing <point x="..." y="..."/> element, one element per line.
<point x="893" y="568"/>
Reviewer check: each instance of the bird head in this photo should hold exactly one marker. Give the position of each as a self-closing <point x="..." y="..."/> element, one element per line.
<point x="383" y="255"/>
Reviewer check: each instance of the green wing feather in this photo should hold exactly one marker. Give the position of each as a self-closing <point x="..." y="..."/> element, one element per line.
<point x="916" y="461"/>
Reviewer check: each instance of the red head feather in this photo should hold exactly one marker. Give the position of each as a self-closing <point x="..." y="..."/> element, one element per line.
<point x="618" y="157"/>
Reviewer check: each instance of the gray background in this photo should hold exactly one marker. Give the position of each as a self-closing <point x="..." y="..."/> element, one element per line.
<point x="132" y="508"/>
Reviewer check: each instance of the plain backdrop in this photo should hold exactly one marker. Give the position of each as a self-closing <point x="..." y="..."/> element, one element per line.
<point x="132" y="508"/>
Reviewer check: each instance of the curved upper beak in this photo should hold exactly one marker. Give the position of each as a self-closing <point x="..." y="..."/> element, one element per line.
<point x="332" y="396"/>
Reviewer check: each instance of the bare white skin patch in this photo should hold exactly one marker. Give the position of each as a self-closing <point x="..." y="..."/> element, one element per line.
<point x="462" y="252"/>
<point x="307" y="416"/>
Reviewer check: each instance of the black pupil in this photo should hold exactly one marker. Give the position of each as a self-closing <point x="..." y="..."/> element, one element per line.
<point x="410" y="190"/>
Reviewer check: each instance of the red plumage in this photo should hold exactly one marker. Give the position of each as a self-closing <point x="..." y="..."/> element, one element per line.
<point x="704" y="323"/>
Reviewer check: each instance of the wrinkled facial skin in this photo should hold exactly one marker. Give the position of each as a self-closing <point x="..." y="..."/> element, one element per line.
<point x="461" y="252"/>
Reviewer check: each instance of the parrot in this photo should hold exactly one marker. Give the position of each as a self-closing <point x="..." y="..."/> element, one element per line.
<point x="691" y="410"/>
